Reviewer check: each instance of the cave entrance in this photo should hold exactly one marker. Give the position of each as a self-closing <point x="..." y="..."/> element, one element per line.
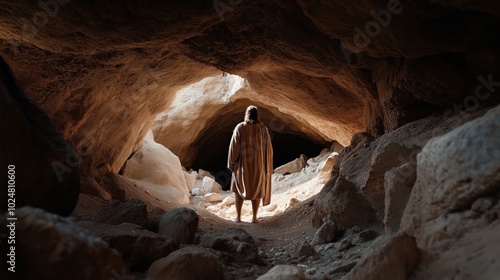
<point x="212" y="155"/>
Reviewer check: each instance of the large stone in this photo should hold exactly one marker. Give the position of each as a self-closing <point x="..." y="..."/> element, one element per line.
<point x="139" y="247"/>
<point x="398" y="185"/>
<point x="339" y="201"/>
<point x="305" y="249"/>
<point x="51" y="247"/>
<point x="42" y="167"/>
<point x="389" y="258"/>
<point x="325" y="170"/>
<point x="179" y="224"/>
<point x="188" y="263"/>
<point x="280" y="272"/>
<point x="327" y="233"/>
<point x="385" y="157"/>
<point x="155" y="164"/>
<point x="453" y="172"/>
<point x="133" y="211"/>
<point x="293" y="166"/>
<point x="234" y="241"/>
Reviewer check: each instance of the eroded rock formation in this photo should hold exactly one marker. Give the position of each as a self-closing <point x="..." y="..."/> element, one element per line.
<point x="103" y="71"/>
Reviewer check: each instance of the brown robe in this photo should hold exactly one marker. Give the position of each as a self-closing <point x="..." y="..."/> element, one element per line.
<point x="251" y="160"/>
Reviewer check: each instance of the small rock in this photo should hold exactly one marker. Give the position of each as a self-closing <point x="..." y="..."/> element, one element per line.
<point x="305" y="249"/>
<point x="327" y="233"/>
<point x="292" y="203"/>
<point x="228" y="201"/>
<point x="213" y="197"/>
<point x="311" y="271"/>
<point x="271" y="207"/>
<point x="292" y="167"/>
<point x="288" y="272"/>
<point x="343" y="268"/>
<point x="345" y="244"/>
<point x="203" y="173"/>
<point x="353" y="230"/>
<point x="197" y="192"/>
<point x="366" y="235"/>
<point x="209" y="185"/>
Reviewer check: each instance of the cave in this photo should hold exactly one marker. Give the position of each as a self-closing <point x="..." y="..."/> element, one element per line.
<point x="110" y="109"/>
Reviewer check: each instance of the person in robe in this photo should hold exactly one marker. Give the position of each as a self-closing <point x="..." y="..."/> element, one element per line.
<point x="251" y="161"/>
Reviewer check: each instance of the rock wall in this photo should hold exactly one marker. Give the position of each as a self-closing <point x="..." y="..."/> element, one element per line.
<point x="103" y="71"/>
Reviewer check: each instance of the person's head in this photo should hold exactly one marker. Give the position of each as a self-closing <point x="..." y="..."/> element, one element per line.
<point x="252" y="114"/>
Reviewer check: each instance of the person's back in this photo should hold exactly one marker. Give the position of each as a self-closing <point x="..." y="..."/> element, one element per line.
<point x="250" y="159"/>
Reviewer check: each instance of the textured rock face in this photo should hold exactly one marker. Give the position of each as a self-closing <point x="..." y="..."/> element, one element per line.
<point x="51" y="247"/>
<point x="41" y="165"/>
<point x="346" y="67"/>
<point x="456" y="186"/>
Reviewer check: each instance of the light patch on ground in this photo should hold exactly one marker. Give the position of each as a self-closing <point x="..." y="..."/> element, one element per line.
<point x="287" y="192"/>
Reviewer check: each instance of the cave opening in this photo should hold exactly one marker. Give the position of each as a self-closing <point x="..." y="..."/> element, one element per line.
<point x="286" y="147"/>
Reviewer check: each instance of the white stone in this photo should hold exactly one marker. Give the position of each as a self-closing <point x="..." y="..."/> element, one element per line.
<point x="209" y="185"/>
<point x="228" y="201"/>
<point x="213" y="197"/>
<point x="271" y="207"/>
<point x="197" y="192"/>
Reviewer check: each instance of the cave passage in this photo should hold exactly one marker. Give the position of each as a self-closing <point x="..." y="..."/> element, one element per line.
<point x="213" y="153"/>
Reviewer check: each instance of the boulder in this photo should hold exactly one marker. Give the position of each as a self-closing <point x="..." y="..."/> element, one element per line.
<point x="393" y="257"/>
<point x="398" y="185"/>
<point x="339" y="202"/>
<point x="179" y="224"/>
<point x="327" y="233"/>
<point x="325" y="170"/>
<point x="89" y="186"/>
<point x="154" y="164"/>
<point x="52" y="247"/>
<point x="293" y="166"/>
<point x="280" y="272"/>
<point x="139" y="247"/>
<point x="455" y="172"/>
<point x="365" y="235"/>
<point x="305" y="249"/>
<point x="188" y="263"/>
<point x="385" y="157"/>
<point x="209" y="185"/>
<point x="40" y="163"/>
<point x="133" y="211"/>
<point x="235" y="241"/>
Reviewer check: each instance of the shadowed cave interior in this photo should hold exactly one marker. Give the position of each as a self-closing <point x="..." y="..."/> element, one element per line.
<point x="109" y="100"/>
